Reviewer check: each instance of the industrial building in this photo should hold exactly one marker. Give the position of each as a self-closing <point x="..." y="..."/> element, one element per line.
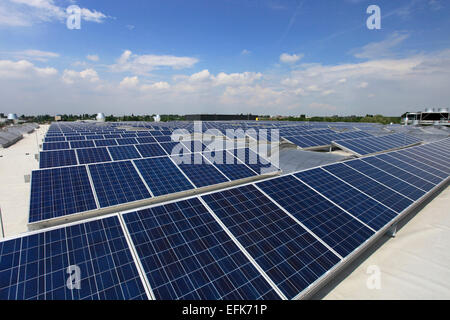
<point x="431" y="116"/>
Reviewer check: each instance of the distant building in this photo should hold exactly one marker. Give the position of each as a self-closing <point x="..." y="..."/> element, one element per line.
<point x="100" y="117"/>
<point x="438" y="116"/>
<point x="219" y="117"/>
<point x="58" y="117"/>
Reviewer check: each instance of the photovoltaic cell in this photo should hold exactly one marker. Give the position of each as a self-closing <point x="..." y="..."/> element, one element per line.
<point x="146" y="140"/>
<point x="382" y="177"/>
<point x="105" y="142"/>
<point x="148" y="150"/>
<point x="123" y="152"/>
<point x="93" y="155"/>
<point x="199" y="171"/>
<point x="229" y="165"/>
<point x="117" y="182"/>
<point x="334" y="226"/>
<point x="57" y="158"/>
<point x="288" y="254"/>
<point x="392" y="199"/>
<point x="126" y="141"/>
<point x="82" y="144"/>
<point x="47" y="146"/>
<point x="366" y="209"/>
<point x="36" y="266"/>
<point x="162" y="176"/>
<point x="60" y="191"/>
<point x="187" y="255"/>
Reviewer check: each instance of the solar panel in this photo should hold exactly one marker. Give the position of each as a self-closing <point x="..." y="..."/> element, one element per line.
<point x="150" y="150"/>
<point x="146" y="140"/>
<point x="368" y="210"/>
<point x="82" y="144"/>
<point x="387" y="196"/>
<point x="229" y="165"/>
<point x="116" y="183"/>
<point x="199" y="171"/>
<point x="162" y="176"/>
<point x="338" y="229"/>
<point x="400" y="173"/>
<point x="57" y="158"/>
<point x="93" y="155"/>
<point x="55" y="139"/>
<point x="47" y="146"/>
<point x="60" y="191"/>
<point x="370" y="145"/>
<point x="419" y="164"/>
<point x="105" y="142"/>
<point x="256" y="162"/>
<point x="126" y="141"/>
<point x="187" y="255"/>
<point x="163" y="138"/>
<point x="123" y="152"/>
<point x="38" y="266"/>
<point x="388" y="180"/>
<point x="174" y="148"/>
<point x="75" y="138"/>
<point x="289" y="255"/>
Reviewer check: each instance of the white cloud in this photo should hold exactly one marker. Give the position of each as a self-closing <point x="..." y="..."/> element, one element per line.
<point x="290" y="58"/>
<point x="23" y="69"/>
<point x="142" y="64"/>
<point x="129" y="82"/>
<point x="19" y="13"/>
<point x="200" y="76"/>
<point x="382" y="49"/>
<point x="245" y="52"/>
<point x="72" y="76"/>
<point x="161" y="85"/>
<point x="236" y="78"/>
<point x="31" y="54"/>
<point x="92" y="57"/>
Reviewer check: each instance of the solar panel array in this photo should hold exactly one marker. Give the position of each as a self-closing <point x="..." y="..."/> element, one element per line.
<point x="127" y="171"/>
<point x="370" y="145"/>
<point x="309" y="139"/>
<point x="276" y="238"/>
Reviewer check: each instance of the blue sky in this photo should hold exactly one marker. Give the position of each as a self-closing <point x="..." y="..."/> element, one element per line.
<point x="267" y="57"/>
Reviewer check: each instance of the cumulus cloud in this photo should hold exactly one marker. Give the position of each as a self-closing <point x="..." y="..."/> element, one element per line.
<point x="290" y="58"/>
<point x="142" y="64"/>
<point x="72" y="76"/>
<point x="23" y="69"/>
<point x="129" y="82"/>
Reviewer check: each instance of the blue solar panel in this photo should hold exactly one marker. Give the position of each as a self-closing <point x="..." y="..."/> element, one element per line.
<point x="60" y="191"/>
<point x="382" y="177"/>
<point x="75" y="138"/>
<point x="163" y="138"/>
<point x="256" y="162"/>
<point x="187" y="255"/>
<point x="47" y="146"/>
<point x="366" y="209"/>
<point x="82" y="144"/>
<point x="199" y="171"/>
<point x="404" y="175"/>
<point x="36" y="266"/>
<point x="194" y="145"/>
<point x="105" y="142"/>
<point x="334" y="226"/>
<point x="150" y="150"/>
<point x="146" y="140"/>
<point x="410" y="168"/>
<point x="174" y="148"/>
<point x="55" y="139"/>
<point x="57" y="158"/>
<point x="126" y="141"/>
<point x="437" y="164"/>
<point x="162" y="176"/>
<point x="229" y="165"/>
<point x="117" y="182"/>
<point x="419" y="164"/>
<point x="290" y="256"/>
<point x="123" y="152"/>
<point x="392" y="199"/>
<point x="93" y="155"/>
